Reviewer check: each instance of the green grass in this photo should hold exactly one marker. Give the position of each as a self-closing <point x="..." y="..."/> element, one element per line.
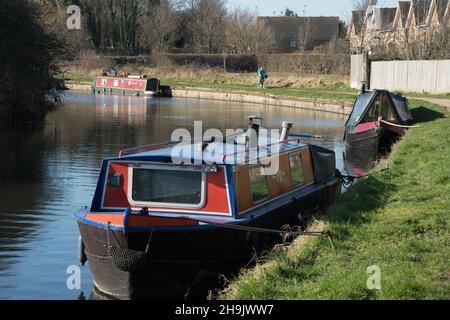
<point x="426" y="95"/>
<point x="76" y="77"/>
<point x="329" y="94"/>
<point x="397" y="220"/>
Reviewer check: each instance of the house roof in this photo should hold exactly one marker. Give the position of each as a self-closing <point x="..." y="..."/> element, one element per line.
<point x="215" y="152"/>
<point x="421" y="10"/>
<point x="322" y="28"/>
<point x="441" y="8"/>
<point x="384" y="18"/>
<point x="447" y="13"/>
<point x="403" y="10"/>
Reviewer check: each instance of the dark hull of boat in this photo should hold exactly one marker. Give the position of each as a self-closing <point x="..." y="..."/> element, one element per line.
<point x="189" y="262"/>
<point x="368" y="144"/>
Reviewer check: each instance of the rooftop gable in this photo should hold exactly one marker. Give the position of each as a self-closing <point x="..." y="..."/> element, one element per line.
<point x="403" y="11"/>
<point x="421" y="11"/>
<point x="441" y="7"/>
<point x="357" y="22"/>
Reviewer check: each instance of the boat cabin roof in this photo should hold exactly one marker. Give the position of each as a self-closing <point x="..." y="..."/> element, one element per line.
<point x="207" y="153"/>
<point x="366" y="100"/>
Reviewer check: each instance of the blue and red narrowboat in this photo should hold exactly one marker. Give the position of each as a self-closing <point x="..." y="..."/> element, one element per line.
<point x="159" y="228"/>
<point x="378" y="118"/>
<point x="139" y="86"/>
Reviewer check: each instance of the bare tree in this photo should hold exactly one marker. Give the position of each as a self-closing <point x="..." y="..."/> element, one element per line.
<point x="304" y="34"/>
<point x="94" y="19"/>
<point x="363" y="38"/>
<point x="207" y="25"/>
<point x="244" y="34"/>
<point x="427" y="43"/>
<point x="362" y="5"/>
<point x="159" y="25"/>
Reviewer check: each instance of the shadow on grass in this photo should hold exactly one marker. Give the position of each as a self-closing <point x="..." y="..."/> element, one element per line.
<point x="422" y="114"/>
<point x="358" y="206"/>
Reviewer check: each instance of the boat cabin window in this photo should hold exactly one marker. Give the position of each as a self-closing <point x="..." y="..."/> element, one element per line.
<point x="373" y="112"/>
<point x="258" y="184"/>
<point x="387" y="112"/>
<point x="381" y="107"/>
<point x="297" y="172"/>
<point x="168" y="187"/>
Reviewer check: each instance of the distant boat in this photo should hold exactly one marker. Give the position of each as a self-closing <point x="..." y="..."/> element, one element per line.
<point x="139" y="86"/>
<point x="162" y="229"/>
<point x="378" y="118"/>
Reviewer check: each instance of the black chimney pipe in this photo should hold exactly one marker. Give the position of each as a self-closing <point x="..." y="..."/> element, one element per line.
<point x="363" y="87"/>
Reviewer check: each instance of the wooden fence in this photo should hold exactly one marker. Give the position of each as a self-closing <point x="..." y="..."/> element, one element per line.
<point x="424" y="76"/>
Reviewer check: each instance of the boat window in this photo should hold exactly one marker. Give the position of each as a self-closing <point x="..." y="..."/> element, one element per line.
<point x="297" y="172"/>
<point x="258" y="184"/>
<point x="386" y="110"/>
<point x="361" y="105"/>
<point x="401" y="107"/>
<point x="167" y="186"/>
<point x="152" y="84"/>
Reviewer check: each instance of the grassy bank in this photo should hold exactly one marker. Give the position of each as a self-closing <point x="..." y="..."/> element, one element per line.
<point x="312" y="87"/>
<point x="398" y="220"/>
<point x="328" y="88"/>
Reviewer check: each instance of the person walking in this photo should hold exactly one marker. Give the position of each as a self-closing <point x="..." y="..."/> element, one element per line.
<point x="262" y="77"/>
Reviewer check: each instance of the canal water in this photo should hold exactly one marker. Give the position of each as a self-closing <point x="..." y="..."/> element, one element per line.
<point x="45" y="176"/>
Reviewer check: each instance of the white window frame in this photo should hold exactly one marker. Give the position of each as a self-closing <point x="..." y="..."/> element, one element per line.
<point x="132" y="202"/>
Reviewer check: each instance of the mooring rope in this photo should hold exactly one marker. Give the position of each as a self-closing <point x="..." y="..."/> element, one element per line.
<point x="326" y="234"/>
<point x="398" y="125"/>
<point x="348" y="180"/>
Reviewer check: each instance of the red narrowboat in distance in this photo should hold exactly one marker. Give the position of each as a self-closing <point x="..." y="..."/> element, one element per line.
<point x="159" y="229"/>
<point x="139" y="86"/>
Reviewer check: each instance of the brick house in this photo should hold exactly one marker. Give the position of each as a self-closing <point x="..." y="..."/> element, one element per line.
<point x="385" y="28"/>
<point x="302" y="33"/>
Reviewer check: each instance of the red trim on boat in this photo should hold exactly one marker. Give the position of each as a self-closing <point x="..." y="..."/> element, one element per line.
<point x="365" y="127"/>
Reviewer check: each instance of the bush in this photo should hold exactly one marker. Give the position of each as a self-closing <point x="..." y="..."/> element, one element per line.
<point x="307" y="63"/>
<point x="233" y="63"/>
<point x="29" y="55"/>
<point x="296" y="63"/>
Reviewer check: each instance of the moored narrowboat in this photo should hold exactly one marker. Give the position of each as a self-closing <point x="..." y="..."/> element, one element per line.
<point x="139" y="86"/>
<point x="378" y="118"/>
<point x="163" y="227"/>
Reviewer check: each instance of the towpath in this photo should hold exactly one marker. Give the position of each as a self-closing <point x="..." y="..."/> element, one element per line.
<point x="441" y="102"/>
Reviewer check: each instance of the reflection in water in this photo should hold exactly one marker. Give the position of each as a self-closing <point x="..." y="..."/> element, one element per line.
<point x="45" y="176"/>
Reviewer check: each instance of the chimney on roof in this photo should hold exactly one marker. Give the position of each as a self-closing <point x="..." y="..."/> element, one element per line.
<point x="286" y="127"/>
<point x="252" y="132"/>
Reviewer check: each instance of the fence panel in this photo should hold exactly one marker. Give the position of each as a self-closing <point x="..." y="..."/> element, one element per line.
<point x="357" y="70"/>
<point x="431" y="76"/>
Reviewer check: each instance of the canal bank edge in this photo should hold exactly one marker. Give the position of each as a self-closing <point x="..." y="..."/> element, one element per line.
<point x="209" y="94"/>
